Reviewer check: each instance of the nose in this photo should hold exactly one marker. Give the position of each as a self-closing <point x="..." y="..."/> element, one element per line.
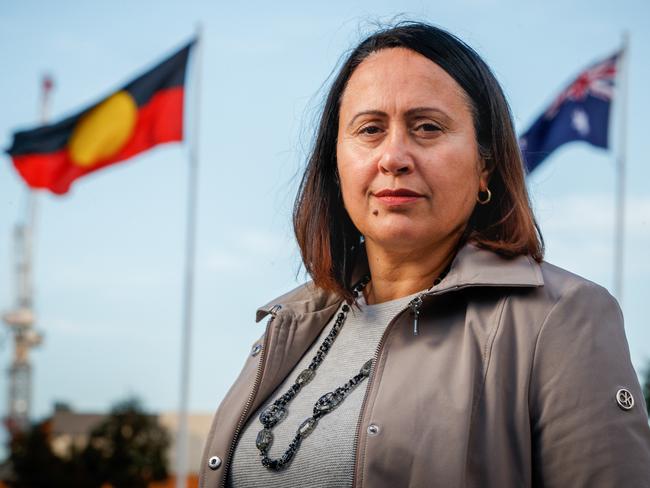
<point x="396" y="158"/>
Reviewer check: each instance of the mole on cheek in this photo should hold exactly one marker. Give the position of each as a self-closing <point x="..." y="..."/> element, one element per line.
<point x="375" y="212"/>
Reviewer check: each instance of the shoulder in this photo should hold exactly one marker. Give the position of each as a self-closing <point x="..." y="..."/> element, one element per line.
<point x="564" y="307"/>
<point x="581" y="320"/>
<point x="304" y="298"/>
<point x="560" y="283"/>
<point x="562" y="292"/>
<point x="567" y="293"/>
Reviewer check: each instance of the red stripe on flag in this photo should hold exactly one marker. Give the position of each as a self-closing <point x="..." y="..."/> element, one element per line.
<point x="159" y="121"/>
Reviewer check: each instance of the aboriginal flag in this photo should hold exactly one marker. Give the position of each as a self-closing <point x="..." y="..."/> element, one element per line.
<point x="145" y="112"/>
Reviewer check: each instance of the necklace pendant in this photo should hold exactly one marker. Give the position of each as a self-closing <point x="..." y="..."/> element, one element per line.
<point x="264" y="440"/>
<point x="272" y="415"/>
<point x="305" y="376"/>
<point x="307" y="427"/>
<point x="328" y="402"/>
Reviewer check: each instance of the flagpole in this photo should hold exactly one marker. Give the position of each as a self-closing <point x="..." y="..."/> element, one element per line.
<point x="619" y="227"/>
<point x="32" y="197"/>
<point x="188" y="295"/>
<point x="32" y="201"/>
<point x="32" y="206"/>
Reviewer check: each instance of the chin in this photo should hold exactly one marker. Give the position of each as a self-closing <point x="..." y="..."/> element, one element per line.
<point x="402" y="238"/>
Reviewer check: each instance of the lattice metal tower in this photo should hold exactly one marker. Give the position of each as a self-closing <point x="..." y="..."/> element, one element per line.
<point x="21" y="318"/>
<point x="21" y="321"/>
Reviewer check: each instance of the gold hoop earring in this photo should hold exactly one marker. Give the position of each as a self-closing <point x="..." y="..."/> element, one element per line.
<point x="485" y="200"/>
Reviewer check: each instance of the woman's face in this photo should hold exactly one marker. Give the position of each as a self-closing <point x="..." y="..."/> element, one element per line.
<point x="407" y="156"/>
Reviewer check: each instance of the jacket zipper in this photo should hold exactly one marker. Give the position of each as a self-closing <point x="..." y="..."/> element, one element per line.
<point x="372" y="376"/>
<point x="253" y="393"/>
<point x="414" y="305"/>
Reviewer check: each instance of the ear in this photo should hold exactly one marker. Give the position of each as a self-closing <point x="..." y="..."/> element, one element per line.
<point x="484" y="171"/>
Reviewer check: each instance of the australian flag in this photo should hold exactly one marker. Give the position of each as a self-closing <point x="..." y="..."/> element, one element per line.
<point x="579" y="113"/>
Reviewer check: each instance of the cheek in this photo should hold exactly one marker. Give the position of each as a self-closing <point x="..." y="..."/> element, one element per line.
<point x="462" y="192"/>
<point x="353" y="194"/>
<point x="355" y="182"/>
<point x="455" y="185"/>
<point x="354" y="176"/>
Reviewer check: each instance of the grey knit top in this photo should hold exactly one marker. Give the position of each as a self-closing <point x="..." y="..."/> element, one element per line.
<point x="326" y="457"/>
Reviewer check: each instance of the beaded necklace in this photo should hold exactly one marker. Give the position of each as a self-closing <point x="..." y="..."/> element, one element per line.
<point x="277" y="411"/>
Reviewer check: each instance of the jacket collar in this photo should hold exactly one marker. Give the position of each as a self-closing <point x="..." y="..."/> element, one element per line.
<point x="472" y="267"/>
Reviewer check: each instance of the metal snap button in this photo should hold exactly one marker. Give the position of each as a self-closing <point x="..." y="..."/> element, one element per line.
<point x="624" y="399"/>
<point x="373" y="429"/>
<point x="256" y="349"/>
<point x="214" y="462"/>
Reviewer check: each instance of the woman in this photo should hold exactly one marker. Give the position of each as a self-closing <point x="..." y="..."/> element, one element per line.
<point x="434" y="346"/>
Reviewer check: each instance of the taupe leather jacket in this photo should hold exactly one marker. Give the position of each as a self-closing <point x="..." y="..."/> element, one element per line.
<point x="520" y="377"/>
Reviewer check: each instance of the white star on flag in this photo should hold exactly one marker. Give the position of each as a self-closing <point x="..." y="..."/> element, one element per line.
<point x="580" y="121"/>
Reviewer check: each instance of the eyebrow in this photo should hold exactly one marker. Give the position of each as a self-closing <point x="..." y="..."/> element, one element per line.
<point x="409" y="113"/>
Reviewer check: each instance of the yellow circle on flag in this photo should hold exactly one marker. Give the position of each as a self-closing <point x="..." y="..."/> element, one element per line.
<point x="103" y="131"/>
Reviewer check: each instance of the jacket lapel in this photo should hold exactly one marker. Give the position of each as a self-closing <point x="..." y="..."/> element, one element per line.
<point x="474" y="266"/>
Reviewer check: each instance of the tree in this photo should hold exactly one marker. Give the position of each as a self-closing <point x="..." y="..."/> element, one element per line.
<point x="32" y="461"/>
<point x="128" y="448"/>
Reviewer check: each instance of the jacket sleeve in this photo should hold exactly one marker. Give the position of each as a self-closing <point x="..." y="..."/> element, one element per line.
<point x="581" y="437"/>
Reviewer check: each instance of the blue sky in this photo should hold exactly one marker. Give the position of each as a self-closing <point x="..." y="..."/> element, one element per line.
<point x="109" y="255"/>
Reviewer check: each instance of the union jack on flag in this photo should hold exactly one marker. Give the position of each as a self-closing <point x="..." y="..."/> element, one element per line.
<point x="579" y="113"/>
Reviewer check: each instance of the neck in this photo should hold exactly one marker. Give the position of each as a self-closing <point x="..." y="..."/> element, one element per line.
<point x="396" y="274"/>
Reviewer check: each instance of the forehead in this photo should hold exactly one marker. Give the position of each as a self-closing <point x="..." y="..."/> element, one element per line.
<point x="398" y="78"/>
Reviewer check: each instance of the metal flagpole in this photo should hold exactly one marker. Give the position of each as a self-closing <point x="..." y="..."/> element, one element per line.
<point x="188" y="297"/>
<point x="619" y="228"/>
<point x="32" y="199"/>
<point x="32" y="196"/>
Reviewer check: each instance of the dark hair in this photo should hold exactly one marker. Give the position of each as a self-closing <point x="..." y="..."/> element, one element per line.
<point x="329" y="241"/>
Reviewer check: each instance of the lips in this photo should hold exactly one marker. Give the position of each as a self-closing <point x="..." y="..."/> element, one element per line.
<point x="398" y="196"/>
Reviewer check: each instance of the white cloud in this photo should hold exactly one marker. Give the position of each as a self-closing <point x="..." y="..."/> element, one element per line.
<point x="263" y="243"/>
<point x="579" y="234"/>
<point x="248" y="247"/>
<point x="593" y="213"/>
<point x="108" y="276"/>
<point x="224" y="261"/>
<point x="67" y="326"/>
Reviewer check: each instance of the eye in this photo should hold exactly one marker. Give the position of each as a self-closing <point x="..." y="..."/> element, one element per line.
<point x="370" y="130"/>
<point x="427" y="128"/>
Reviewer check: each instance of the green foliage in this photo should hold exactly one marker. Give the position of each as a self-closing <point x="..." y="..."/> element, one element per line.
<point x="128" y="448"/>
<point x="34" y="464"/>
